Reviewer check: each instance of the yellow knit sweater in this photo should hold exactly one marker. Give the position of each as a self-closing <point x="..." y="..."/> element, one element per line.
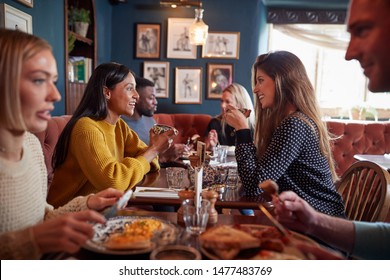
<point x="100" y="155"/>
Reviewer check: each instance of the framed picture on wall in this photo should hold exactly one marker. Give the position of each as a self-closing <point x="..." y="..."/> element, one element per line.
<point x="188" y="85"/>
<point x="148" y="40"/>
<point x="222" y="45"/>
<point x="158" y="72"/>
<point x="28" y="3"/>
<point x="12" y="18"/>
<point x="178" y="41"/>
<point x="219" y="76"/>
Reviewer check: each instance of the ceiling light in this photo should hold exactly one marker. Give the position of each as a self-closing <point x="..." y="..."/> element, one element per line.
<point x="198" y="30"/>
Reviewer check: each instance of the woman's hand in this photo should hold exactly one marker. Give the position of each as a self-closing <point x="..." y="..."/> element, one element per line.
<point x="211" y="140"/>
<point x="159" y="143"/>
<point x="235" y="118"/>
<point x="103" y="199"/>
<point x="174" y="152"/>
<point x="66" y="233"/>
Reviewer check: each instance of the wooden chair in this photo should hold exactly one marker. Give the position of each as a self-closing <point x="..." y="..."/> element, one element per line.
<point x="365" y="189"/>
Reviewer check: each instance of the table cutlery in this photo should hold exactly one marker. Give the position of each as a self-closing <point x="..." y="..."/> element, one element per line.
<point x="275" y="222"/>
<point x="286" y="235"/>
<point x="157" y="190"/>
<point x="122" y="202"/>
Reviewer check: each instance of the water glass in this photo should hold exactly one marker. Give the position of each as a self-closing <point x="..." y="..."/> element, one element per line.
<point x="195" y="219"/>
<point x="232" y="178"/>
<point x="175" y="177"/>
<point x="220" y="152"/>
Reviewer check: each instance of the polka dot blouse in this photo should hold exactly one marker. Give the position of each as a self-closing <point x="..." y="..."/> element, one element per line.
<point x="293" y="159"/>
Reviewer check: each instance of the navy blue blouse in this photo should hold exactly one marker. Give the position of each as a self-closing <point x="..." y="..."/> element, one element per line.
<point x="293" y="159"/>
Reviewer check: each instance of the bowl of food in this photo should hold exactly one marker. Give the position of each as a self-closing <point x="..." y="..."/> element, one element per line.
<point x="175" y="252"/>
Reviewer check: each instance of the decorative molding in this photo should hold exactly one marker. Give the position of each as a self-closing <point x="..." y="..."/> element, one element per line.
<point x="286" y="16"/>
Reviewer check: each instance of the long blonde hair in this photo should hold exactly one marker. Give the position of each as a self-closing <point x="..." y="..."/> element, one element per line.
<point x="15" y="48"/>
<point x="292" y="86"/>
<point x="243" y="101"/>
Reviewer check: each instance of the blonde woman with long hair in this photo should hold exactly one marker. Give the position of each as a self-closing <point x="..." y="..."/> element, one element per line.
<point x="218" y="131"/>
<point x="291" y="143"/>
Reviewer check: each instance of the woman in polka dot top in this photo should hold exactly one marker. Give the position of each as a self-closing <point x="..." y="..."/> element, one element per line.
<point x="291" y="143"/>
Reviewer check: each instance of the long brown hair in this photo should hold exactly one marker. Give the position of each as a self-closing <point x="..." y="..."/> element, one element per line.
<point x="292" y="87"/>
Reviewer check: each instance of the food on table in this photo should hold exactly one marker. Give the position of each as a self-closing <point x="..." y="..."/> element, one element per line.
<point x="135" y="235"/>
<point x="226" y="242"/>
<point x="246" y="112"/>
<point x="250" y="242"/>
<point x="269" y="187"/>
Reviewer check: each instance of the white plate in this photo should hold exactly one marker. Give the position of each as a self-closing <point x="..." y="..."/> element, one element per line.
<point x="117" y="224"/>
<point x="155" y="192"/>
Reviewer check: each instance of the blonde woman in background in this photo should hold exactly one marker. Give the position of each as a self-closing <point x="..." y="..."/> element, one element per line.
<point x="218" y="131"/>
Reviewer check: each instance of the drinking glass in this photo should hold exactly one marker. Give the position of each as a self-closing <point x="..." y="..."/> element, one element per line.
<point x="195" y="219"/>
<point x="232" y="178"/>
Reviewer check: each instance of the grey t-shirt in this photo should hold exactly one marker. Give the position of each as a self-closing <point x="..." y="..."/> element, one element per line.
<point x="141" y="126"/>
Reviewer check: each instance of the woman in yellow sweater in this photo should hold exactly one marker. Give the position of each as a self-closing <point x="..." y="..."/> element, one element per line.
<point x="97" y="149"/>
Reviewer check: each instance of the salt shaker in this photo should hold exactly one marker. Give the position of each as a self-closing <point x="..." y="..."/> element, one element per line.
<point x="211" y="196"/>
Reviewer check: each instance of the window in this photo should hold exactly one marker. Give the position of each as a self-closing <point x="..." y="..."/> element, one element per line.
<point x="340" y="85"/>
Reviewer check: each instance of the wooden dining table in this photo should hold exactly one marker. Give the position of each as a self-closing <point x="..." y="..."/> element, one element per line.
<point x="170" y="217"/>
<point x="230" y="198"/>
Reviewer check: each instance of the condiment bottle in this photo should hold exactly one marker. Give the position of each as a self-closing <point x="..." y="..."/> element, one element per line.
<point x="211" y="196"/>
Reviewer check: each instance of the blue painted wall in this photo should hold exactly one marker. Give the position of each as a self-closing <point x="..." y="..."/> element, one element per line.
<point x="115" y="36"/>
<point x="221" y="15"/>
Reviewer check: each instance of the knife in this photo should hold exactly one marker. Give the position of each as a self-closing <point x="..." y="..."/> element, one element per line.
<point x="112" y="211"/>
<point x="158" y="190"/>
<point x="278" y="225"/>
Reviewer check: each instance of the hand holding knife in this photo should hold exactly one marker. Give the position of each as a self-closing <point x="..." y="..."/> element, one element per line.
<point x="122" y="202"/>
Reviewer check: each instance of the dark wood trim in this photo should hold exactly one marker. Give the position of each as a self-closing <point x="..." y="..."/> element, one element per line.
<point x="289" y="16"/>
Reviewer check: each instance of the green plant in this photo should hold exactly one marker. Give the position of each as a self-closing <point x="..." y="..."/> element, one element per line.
<point x="78" y="15"/>
<point x="71" y="42"/>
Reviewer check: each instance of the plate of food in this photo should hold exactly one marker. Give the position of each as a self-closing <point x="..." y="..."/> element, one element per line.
<point x="125" y="235"/>
<point x="253" y="242"/>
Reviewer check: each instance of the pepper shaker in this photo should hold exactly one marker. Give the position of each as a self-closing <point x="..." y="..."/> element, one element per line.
<point x="211" y="196"/>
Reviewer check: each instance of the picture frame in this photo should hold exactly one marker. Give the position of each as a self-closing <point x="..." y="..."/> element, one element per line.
<point x="222" y="45"/>
<point x="13" y="18"/>
<point x="188" y="85"/>
<point x="148" y="38"/>
<point x="28" y="3"/>
<point x="158" y="72"/>
<point x="178" y="42"/>
<point x="219" y="76"/>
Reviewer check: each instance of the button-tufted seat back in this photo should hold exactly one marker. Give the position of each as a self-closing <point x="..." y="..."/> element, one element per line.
<point x="358" y="138"/>
<point x="186" y="124"/>
<point x="49" y="138"/>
